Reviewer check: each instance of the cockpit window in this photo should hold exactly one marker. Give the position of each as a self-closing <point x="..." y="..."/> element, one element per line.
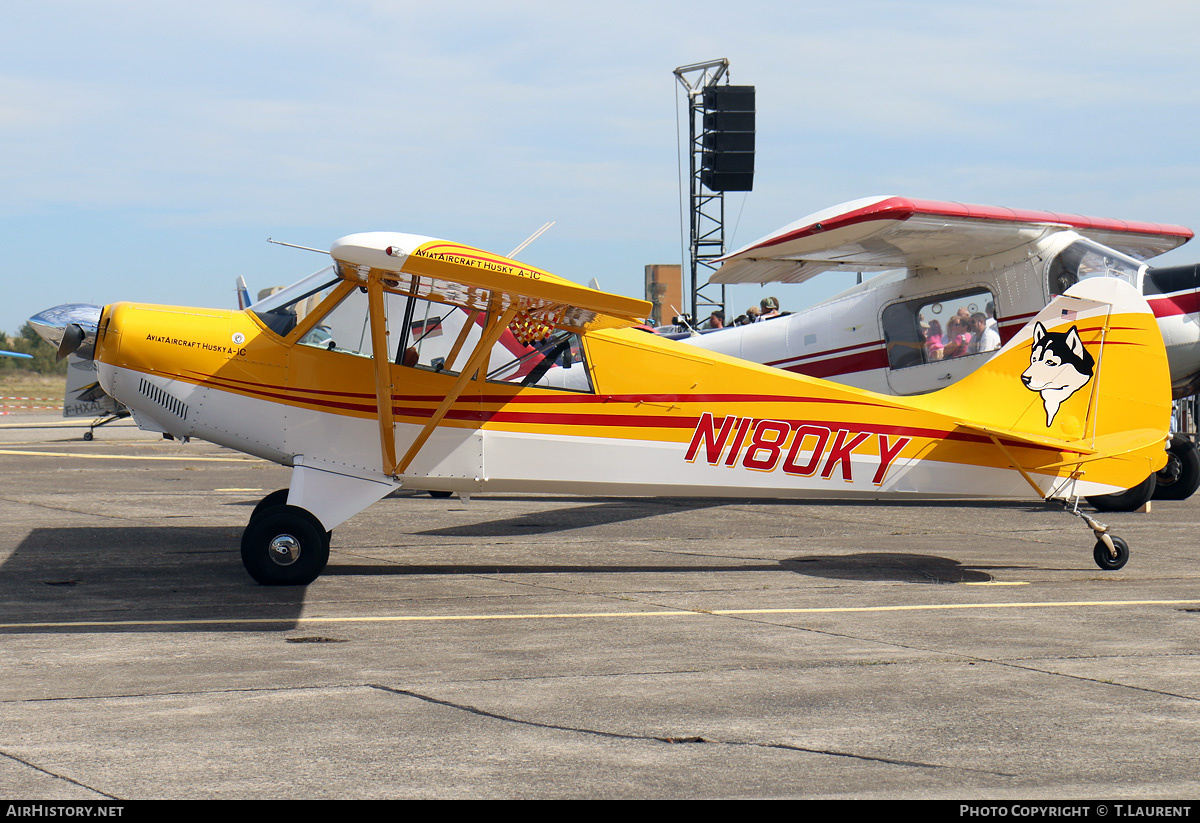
<point x="282" y="310"/>
<point x="557" y="362"/>
<point x="345" y="328"/>
<point x="1083" y="259"/>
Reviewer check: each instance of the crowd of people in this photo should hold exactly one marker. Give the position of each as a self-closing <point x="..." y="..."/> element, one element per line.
<point x="965" y="333"/>
<point x="766" y="309"/>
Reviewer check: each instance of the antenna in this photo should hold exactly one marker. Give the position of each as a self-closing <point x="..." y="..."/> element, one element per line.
<point x="531" y="238"/>
<point x="294" y="246"/>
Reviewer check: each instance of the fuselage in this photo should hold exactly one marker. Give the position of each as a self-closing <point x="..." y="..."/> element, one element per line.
<point x="641" y="416"/>
<point x="873" y="335"/>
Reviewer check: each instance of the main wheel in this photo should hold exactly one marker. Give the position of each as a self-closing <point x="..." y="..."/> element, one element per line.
<point x="284" y="546"/>
<point x="440" y="494"/>
<point x="1105" y="560"/>
<point x="1179" y="479"/>
<point x="1129" y="500"/>
<point x="275" y="499"/>
<point x="272" y="500"/>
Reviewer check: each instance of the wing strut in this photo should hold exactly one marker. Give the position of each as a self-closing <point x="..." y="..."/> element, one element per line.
<point x="381" y="351"/>
<point x="475" y="362"/>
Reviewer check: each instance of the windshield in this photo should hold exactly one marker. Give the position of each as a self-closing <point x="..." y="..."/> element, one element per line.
<point x="283" y="309"/>
<point x="1083" y="259"/>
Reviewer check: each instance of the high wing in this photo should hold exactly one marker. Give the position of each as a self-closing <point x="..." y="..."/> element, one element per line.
<point x="514" y="297"/>
<point x="476" y="280"/>
<point x="888" y="232"/>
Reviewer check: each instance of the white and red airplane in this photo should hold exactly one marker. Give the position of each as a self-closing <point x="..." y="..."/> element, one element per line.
<point x="939" y="260"/>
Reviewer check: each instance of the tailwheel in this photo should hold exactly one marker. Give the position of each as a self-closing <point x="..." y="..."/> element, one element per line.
<point x="1114" y="558"/>
<point x="1111" y="552"/>
<point x="284" y="546"/>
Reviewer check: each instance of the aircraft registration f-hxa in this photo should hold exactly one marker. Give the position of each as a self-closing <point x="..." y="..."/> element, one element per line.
<point x="431" y="365"/>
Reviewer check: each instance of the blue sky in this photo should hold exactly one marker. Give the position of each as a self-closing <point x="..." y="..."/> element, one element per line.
<point x="148" y="149"/>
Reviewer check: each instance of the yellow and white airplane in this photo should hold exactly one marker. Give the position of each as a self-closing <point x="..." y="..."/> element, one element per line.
<point x="427" y="364"/>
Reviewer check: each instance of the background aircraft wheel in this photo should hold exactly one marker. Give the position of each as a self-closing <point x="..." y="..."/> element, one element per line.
<point x="88" y="435"/>
<point x="1127" y="501"/>
<point x="1105" y="560"/>
<point x="285" y="546"/>
<point x="1179" y="479"/>
<point x="440" y="494"/>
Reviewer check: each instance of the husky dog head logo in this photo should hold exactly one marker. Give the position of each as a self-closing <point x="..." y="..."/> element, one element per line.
<point x="1059" y="366"/>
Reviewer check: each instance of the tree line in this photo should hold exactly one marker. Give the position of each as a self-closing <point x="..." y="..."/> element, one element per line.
<point x="45" y="358"/>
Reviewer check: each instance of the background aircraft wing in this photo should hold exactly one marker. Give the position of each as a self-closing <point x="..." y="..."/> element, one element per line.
<point x="473" y="279"/>
<point x="879" y="233"/>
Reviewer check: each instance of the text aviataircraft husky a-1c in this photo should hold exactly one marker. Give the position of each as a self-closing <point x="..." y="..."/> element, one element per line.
<point x="426" y="364"/>
<point x="889" y="334"/>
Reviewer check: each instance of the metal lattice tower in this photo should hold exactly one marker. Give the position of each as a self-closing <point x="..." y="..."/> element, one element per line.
<point x="721" y="158"/>
<point x="707" y="208"/>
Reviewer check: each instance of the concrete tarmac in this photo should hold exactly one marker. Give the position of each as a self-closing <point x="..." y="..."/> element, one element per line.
<point x="540" y="646"/>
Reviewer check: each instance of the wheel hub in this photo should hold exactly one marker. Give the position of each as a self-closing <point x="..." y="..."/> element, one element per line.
<point x="1170" y="472"/>
<point x="284" y="550"/>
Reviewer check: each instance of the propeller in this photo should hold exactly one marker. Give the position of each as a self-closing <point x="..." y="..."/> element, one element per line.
<point x="71" y="328"/>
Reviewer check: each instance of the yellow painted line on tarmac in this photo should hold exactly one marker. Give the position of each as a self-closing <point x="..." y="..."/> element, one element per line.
<point x="64" y="423"/>
<point x="457" y="618"/>
<point x="92" y="456"/>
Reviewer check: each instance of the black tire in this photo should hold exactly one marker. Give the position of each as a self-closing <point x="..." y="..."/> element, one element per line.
<point x="440" y="495"/>
<point x="88" y="435"/>
<point x="279" y="498"/>
<point x="284" y="529"/>
<point x="272" y="500"/>
<point x="1105" y="560"/>
<point x="1180" y="478"/>
<point x="1129" y="500"/>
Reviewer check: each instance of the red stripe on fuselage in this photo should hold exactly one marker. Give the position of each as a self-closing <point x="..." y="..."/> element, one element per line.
<point x="1172" y="305"/>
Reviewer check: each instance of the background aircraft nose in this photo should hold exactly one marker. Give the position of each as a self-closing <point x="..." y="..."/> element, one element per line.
<point x="70" y="327"/>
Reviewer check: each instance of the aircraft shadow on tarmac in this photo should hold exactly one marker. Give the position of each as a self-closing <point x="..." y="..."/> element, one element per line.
<point x="164" y="578"/>
<point x="600" y="513"/>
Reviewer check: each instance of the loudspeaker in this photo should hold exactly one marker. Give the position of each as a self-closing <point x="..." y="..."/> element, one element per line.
<point x="727" y="160"/>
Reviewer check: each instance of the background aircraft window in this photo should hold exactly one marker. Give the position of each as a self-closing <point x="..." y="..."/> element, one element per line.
<point x="345" y="328"/>
<point x="1083" y="259"/>
<point x="938" y="328"/>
